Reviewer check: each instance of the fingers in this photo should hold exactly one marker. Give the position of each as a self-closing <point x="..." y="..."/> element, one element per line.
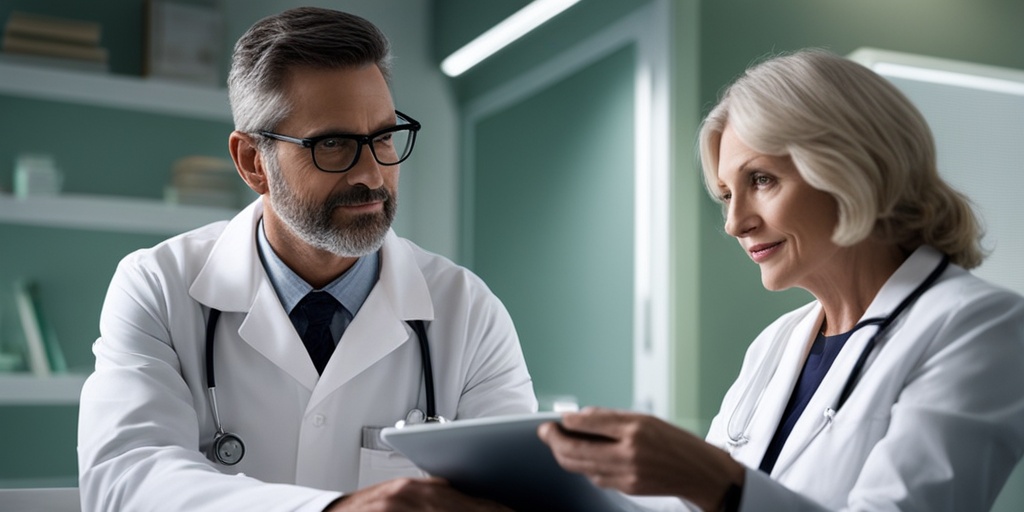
<point x="597" y="458"/>
<point x="413" y="495"/>
<point x="603" y="422"/>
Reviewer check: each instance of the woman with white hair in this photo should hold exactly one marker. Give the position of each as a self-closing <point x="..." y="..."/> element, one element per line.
<point x="901" y="386"/>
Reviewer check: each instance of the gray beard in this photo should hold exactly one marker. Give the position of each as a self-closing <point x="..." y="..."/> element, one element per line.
<point x="314" y="222"/>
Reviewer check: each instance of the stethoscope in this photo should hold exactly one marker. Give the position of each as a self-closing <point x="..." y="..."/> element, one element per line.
<point x="228" y="448"/>
<point x="739" y="422"/>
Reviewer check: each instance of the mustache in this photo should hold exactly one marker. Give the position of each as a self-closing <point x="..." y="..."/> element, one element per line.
<point x="360" y="194"/>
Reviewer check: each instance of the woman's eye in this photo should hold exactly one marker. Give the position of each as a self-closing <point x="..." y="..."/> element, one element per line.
<point x="761" y="180"/>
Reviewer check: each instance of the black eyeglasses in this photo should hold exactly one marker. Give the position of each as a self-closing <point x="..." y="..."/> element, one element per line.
<point x="340" y="152"/>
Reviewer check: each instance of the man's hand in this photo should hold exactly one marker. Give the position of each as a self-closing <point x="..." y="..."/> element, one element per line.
<point x="413" y="494"/>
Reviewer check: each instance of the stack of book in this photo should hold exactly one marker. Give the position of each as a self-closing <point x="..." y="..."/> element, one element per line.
<point x="50" y="40"/>
<point x="205" y="181"/>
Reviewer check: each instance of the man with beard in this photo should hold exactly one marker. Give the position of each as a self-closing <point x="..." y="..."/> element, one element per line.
<point x="250" y="364"/>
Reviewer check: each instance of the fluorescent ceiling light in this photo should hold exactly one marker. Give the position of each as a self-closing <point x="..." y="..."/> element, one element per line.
<point x="954" y="78"/>
<point x="500" y="35"/>
<point x="941" y="71"/>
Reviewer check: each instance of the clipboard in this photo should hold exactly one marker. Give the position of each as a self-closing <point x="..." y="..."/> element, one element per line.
<point x="502" y="459"/>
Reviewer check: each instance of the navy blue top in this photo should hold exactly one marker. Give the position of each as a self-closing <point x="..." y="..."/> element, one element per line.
<point x="819" y="360"/>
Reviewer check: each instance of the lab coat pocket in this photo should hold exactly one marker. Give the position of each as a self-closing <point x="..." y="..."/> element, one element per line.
<point x="376" y="466"/>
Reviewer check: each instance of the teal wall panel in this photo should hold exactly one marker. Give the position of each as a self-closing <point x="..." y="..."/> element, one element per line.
<point x="553" y="228"/>
<point x="39" y="445"/>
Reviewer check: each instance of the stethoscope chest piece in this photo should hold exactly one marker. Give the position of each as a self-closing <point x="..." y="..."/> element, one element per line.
<point x="228" y="448"/>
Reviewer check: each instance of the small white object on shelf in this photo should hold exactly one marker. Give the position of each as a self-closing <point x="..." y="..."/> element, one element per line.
<point x="36" y="175"/>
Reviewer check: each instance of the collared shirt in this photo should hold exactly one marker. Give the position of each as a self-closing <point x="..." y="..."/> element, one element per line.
<point x="350" y="288"/>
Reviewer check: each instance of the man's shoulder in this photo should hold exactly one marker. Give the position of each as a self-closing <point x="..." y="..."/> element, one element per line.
<point x="438" y="269"/>
<point x="185" y="246"/>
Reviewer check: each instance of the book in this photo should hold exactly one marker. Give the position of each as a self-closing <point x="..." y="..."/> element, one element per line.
<point x="52" y="28"/>
<point x="54" y="62"/>
<point x="182" y="42"/>
<point x="14" y="43"/>
<point x="44" y="353"/>
<point x="35" y="354"/>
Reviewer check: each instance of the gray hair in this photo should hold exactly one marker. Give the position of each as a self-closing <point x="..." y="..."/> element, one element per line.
<point x="854" y="135"/>
<point x="305" y="36"/>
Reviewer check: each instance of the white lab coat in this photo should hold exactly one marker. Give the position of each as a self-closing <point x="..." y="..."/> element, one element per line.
<point x="935" y="423"/>
<point x="146" y="421"/>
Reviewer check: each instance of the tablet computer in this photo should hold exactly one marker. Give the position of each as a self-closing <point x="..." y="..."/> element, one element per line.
<point x="502" y="459"/>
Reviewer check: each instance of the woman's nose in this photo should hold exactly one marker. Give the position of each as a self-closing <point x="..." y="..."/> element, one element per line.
<point x="739" y="219"/>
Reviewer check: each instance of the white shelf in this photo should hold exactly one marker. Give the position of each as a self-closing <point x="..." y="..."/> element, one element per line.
<point x="108" y="213"/>
<point x="27" y="389"/>
<point x="118" y="91"/>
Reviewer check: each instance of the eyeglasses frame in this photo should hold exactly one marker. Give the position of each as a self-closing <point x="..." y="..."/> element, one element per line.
<point x="411" y="125"/>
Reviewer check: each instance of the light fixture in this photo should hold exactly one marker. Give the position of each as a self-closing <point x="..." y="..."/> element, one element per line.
<point x="941" y="71"/>
<point x="500" y="35"/>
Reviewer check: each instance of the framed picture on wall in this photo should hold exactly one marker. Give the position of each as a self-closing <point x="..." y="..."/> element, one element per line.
<point x="183" y="42"/>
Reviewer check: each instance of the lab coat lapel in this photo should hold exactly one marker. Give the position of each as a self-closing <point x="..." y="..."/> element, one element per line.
<point x="232" y="272"/>
<point x="233" y="279"/>
<point x="815" y="417"/>
<point x="270" y="332"/>
<point x="778" y="390"/>
<point x="379" y="327"/>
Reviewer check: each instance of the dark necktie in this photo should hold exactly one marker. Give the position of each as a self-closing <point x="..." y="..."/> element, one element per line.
<point x="319" y="308"/>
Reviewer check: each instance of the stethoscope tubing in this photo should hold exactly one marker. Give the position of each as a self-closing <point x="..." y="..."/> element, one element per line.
<point x="883" y="324"/>
<point x="418" y="326"/>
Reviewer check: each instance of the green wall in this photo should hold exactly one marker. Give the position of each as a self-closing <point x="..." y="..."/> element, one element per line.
<point x="551" y="201"/>
<point x="553" y="228"/>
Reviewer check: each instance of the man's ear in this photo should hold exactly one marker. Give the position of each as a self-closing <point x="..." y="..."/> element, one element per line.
<point x="248" y="161"/>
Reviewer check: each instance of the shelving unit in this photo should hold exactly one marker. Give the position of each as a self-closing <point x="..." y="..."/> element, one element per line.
<point x="117" y="91"/>
<point x="101" y="213"/>
<point x="108" y="213"/>
<point x="27" y="389"/>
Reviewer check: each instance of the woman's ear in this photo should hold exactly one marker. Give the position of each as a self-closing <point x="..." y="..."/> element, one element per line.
<point x="248" y="161"/>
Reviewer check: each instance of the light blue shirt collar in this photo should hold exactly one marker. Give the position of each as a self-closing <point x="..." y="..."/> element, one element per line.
<point x="350" y="288"/>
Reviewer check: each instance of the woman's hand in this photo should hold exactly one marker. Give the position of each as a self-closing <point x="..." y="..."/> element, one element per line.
<point x="641" y="455"/>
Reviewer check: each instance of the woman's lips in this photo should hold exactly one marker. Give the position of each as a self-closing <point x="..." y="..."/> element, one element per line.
<point x="761" y="252"/>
